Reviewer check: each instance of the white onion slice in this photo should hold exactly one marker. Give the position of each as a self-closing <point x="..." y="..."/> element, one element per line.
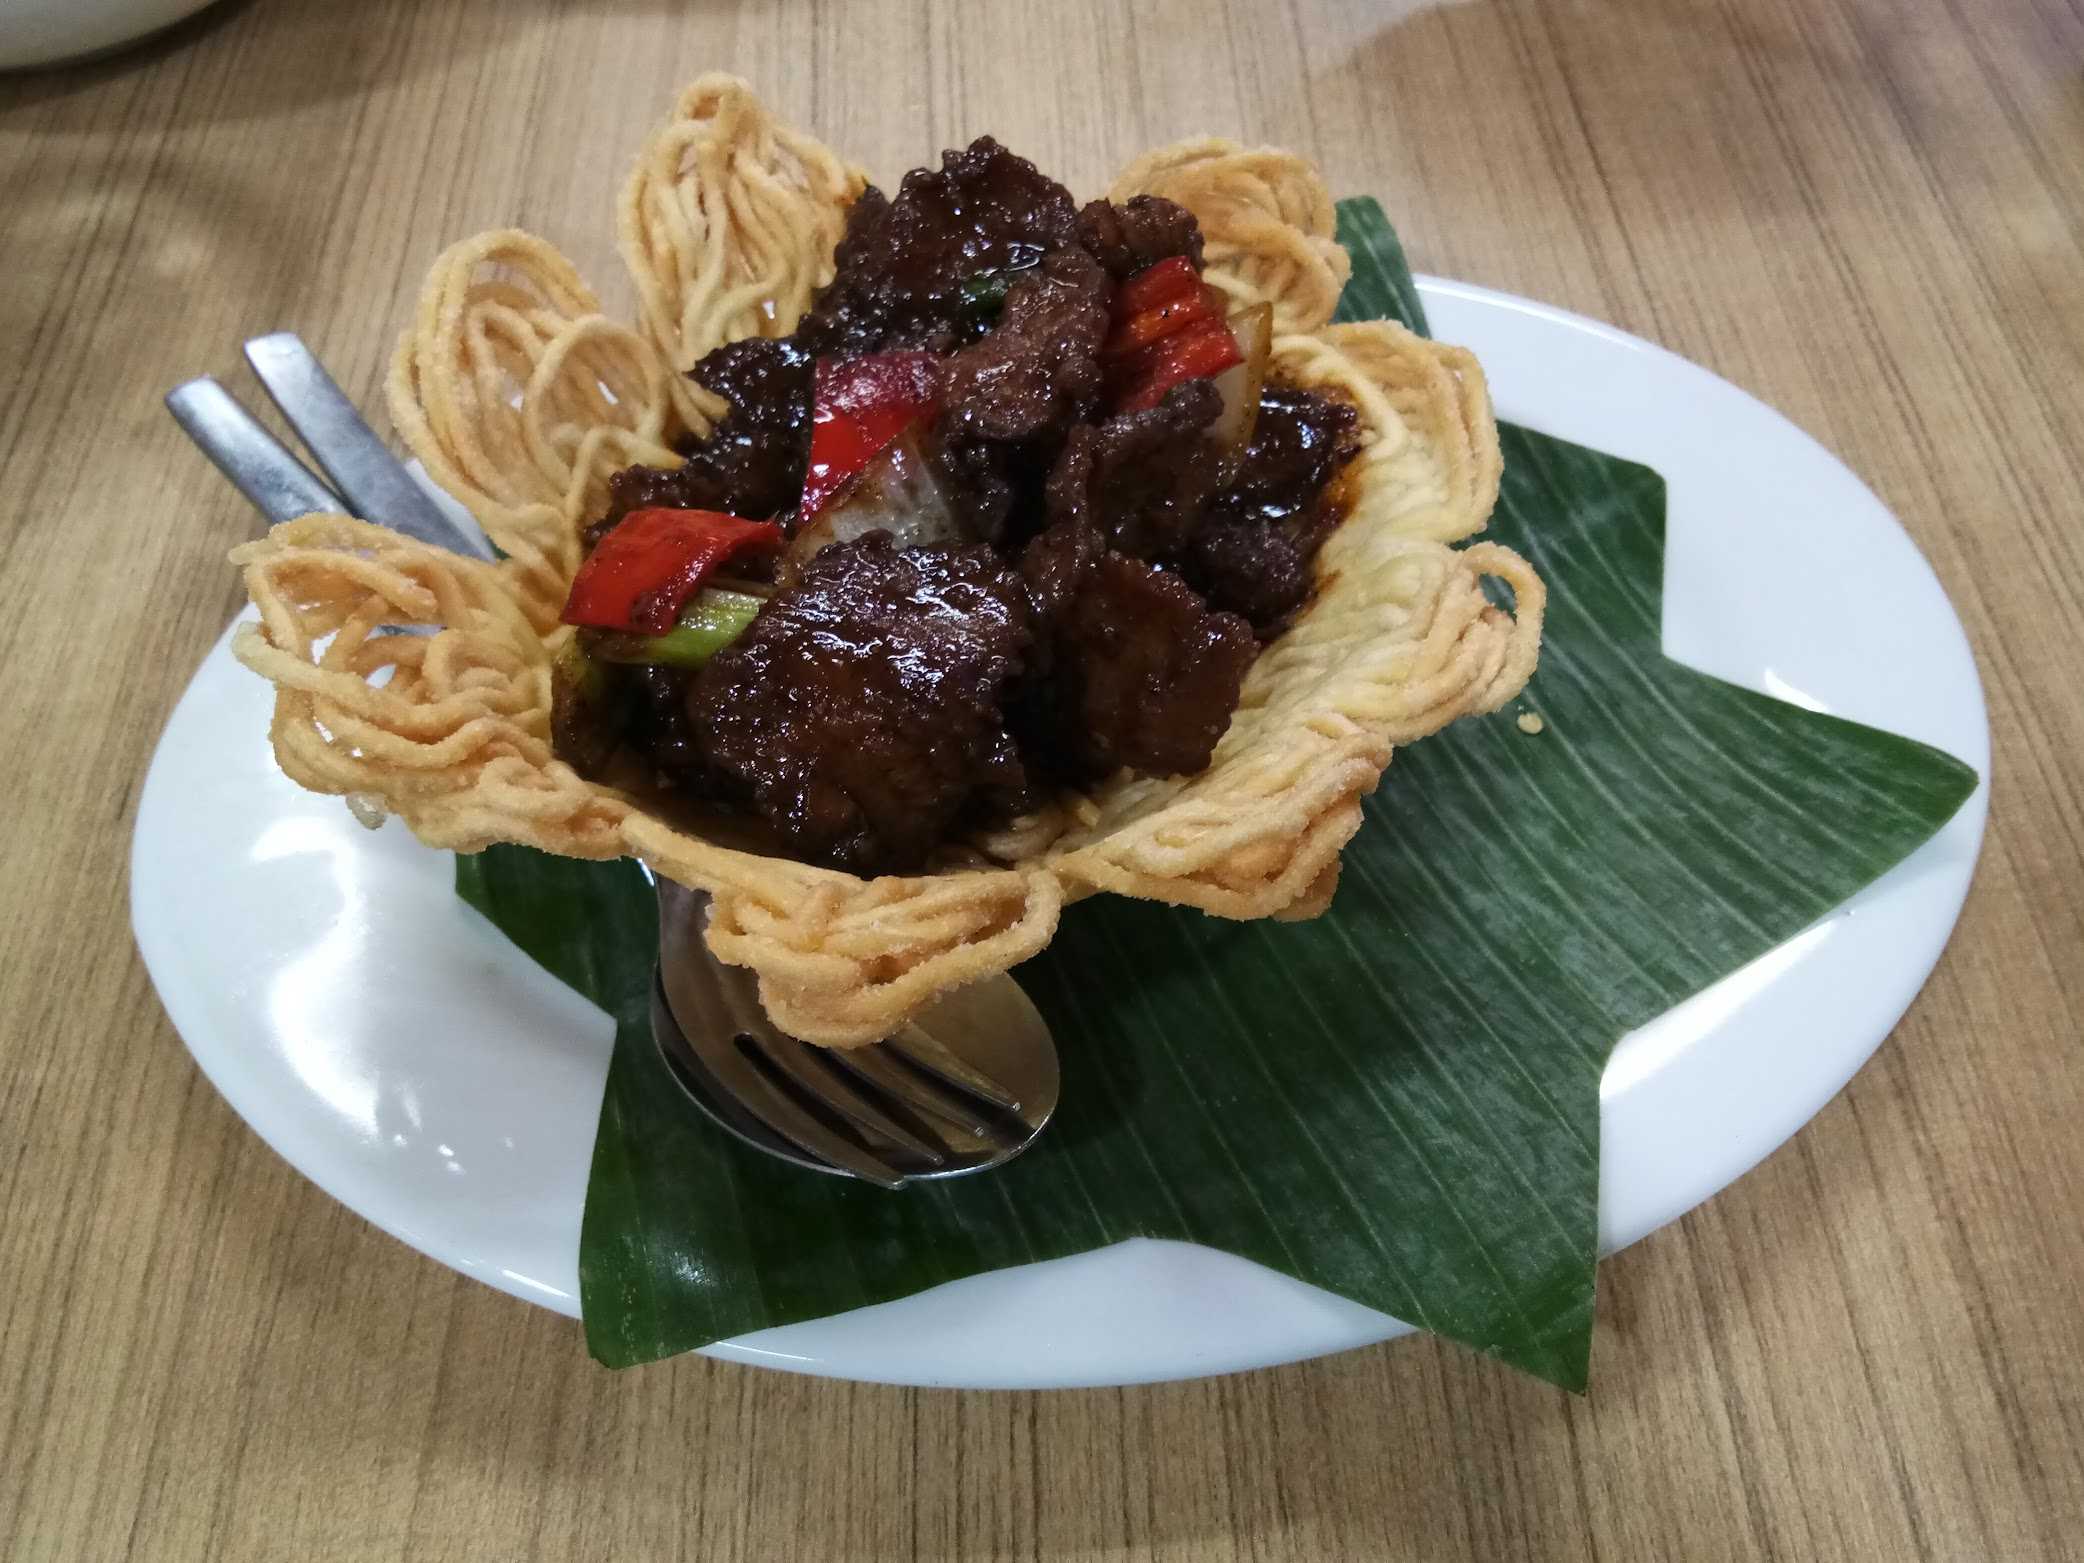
<point x="1242" y="382"/>
<point x="897" y="492"/>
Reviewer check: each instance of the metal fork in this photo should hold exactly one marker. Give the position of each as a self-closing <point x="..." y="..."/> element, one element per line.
<point x="965" y="1087"/>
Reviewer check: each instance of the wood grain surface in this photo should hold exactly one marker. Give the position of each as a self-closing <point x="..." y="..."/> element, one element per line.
<point x="1865" y="211"/>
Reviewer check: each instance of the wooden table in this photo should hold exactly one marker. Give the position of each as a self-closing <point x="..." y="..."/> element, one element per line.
<point x="1867" y="212"/>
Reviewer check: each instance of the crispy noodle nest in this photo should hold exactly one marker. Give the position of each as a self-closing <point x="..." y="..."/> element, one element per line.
<point x="521" y="397"/>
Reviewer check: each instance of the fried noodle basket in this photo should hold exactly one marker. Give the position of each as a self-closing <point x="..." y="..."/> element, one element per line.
<point x="520" y="397"/>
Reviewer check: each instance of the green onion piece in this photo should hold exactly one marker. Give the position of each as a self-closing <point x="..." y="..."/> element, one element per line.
<point x="710" y="622"/>
<point x="983" y="292"/>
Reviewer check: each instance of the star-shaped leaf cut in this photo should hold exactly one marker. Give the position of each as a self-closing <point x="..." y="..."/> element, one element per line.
<point x="1398" y="1101"/>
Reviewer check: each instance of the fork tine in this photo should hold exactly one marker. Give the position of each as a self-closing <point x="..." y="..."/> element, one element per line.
<point x="925" y="1111"/>
<point x="839" y="1092"/>
<point x="360" y="465"/>
<point x="921" y="1092"/>
<point x="257" y="464"/>
<point x="694" y="1077"/>
<point x="771" y="1104"/>
<point x="921" y="1051"/>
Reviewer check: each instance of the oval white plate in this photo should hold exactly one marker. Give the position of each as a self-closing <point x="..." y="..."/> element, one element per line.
<point x="392" y="1045"/>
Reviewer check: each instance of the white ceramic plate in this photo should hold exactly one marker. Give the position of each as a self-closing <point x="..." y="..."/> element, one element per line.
<point x="47" y="32"/>
<point x="392" y="1045"/>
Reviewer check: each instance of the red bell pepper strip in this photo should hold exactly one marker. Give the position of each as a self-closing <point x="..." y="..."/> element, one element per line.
<point x="1168" y="327"/>
<point x="1205" y="348"/>
<point x="1168" y="279"/>
<point x="858" y="406"/>
<point x="639" y="575"/>
<point x="1154" y="322"/>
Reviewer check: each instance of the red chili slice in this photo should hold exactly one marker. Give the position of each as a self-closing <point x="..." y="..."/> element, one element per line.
<point x="1153" y="323"/>
<point x="1205" y="348"/>
<point x="858" y="406"/>
<point x="638" y="577"/>
<point x="1168" y="279"/>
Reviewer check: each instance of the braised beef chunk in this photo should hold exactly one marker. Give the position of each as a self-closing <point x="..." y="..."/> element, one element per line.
<point x="860" y="713"/>
<point x="1145" y="674"/>
<point x="1038" y="371"/>
<point x="1254" y="549"/>
<point x="1142" y="478"/>
<point x="751" y="464"/>
<point x="985" y="485"/>
<point x="1259" y="570"/>
<point x="1008" y="400"/>
<point x="758" y="450"/>
<point x="1146" y="230"/>
<point x="641" y="488"/>
<point x="1298" y="441"/>
<point x="901" y="266"/>
<point x="1054" y="567"/>
<point x="662" y="726"/>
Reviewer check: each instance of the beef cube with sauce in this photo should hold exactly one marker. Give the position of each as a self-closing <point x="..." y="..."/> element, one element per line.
<point x="1038" y="370"/>
<point x="1141" y="478"/>
<point x="1008" y="400"/>
<point x="1255" y="550"/>
<point x="751" y="463"/>
<point x="1142" y="672"/>
<point x="860" y="712"/>
<point x="1139" y="233"/>
<point x="899" y="270"/>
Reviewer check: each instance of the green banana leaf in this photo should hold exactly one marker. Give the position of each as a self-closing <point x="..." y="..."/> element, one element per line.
<point x="1411" y="1080"/>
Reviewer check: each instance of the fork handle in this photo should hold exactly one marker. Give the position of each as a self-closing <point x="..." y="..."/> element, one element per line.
<point x="354" y="457"/>
<point x="257" y="464"/>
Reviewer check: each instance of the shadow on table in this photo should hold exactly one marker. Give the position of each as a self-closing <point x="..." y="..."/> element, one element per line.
<point x="41" y="83"/>
<point x="315" y="51"/>
<point x="334" y="49"/>
<point x="32" y="83"/>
